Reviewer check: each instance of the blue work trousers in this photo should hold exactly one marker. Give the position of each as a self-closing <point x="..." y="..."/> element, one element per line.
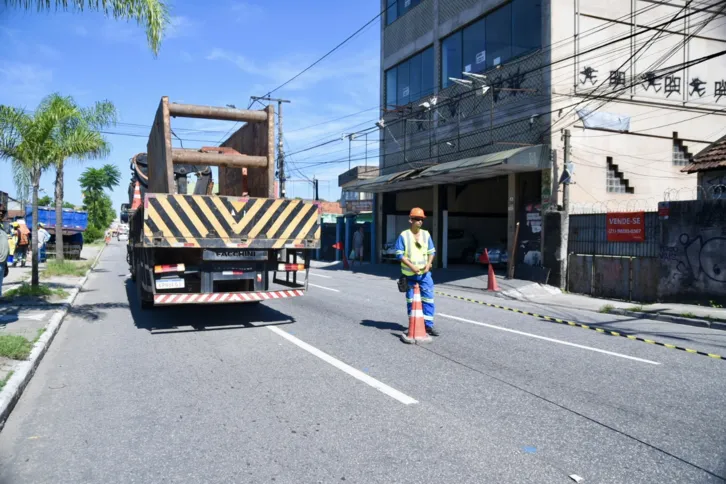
<point x="426" y="286"/>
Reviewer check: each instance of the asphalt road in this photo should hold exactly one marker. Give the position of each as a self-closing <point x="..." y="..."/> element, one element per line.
<point x="320" y="389"/>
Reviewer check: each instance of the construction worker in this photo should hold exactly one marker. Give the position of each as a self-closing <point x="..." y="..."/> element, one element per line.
<point x="43" y="238"/>
<point x="4" y="252"/>
<point x="415" y="249"/>
<point x="23" y="242"/>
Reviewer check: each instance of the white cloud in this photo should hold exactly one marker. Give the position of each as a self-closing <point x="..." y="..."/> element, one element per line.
<point x="180" y="26"/>
<point x="360" y="68"/>
<point x="23" y="48"/>
<point x="246" y="12"/>
<point x="24" y="83"/>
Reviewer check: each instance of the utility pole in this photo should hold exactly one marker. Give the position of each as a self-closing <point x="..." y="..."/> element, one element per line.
<point x="315" y="188"/>
<point x="351" y="137"/>
<point x="280" y="145"/>
<point x="564" y="234"/>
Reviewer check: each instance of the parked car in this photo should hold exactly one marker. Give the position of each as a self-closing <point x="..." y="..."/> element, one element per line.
<point x="498" y="255"/>
<point x="461" y="245"/>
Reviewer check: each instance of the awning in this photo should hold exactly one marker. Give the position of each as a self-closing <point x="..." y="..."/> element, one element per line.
<point x="529" y="158"/>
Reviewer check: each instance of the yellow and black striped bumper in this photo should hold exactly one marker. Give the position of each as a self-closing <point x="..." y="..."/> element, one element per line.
<point x="212" y="221"/>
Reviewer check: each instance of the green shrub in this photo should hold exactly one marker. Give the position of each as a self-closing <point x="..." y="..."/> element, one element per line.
<point x="92" y="234"/>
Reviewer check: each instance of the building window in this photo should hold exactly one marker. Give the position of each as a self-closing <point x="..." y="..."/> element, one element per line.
<point x="511" y="30"/>
<point x="681" y="156"/>
<point x="616" y="181"/>
<point x="398" y="8"/>
<point x="499" y="36"/>
<point x="451" y="58"/>
<point x="526" y="26"/>
<point x="410" y="80"/>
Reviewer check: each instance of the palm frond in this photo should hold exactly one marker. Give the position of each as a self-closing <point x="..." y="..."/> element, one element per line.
<point x="152" y="14"/>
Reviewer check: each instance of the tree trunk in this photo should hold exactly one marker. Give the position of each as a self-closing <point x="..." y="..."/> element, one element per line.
<point x="35" y="280"/>
<point x="59" y="211"/>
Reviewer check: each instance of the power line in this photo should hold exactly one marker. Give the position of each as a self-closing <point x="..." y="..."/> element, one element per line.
<point x="326" y="54"/>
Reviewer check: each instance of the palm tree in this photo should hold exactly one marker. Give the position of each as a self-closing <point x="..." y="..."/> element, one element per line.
<point x="153" y="14"/>
<point x="94" y="182"/>
<point x="28" y="141"/>
<point x="78" y="137"/>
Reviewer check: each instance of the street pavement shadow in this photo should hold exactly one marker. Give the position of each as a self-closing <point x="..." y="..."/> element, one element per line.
<point x="385" y="325"/>
<point x="94" y="312"/>
<point x="202" y="317"/>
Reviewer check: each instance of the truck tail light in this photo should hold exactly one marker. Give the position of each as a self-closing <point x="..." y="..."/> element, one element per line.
<point x="290" y="267"/>
<point x="168" y="268"/>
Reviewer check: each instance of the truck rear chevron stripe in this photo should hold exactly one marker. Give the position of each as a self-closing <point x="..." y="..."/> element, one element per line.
<point x="216" y="221"/>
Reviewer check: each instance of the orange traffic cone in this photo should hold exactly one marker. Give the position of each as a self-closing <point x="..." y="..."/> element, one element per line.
<point x="492" y="280"/>
<point x="416" y="326"/>
<point x="484" y="257"/>
<point x="136" y="202"/>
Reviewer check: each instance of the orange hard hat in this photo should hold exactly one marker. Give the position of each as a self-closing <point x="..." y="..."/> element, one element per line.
<point x="417" y="213"/>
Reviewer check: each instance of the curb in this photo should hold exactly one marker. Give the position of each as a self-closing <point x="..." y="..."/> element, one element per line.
<point x="704" y="323"/>
<point x="25" y="370"/>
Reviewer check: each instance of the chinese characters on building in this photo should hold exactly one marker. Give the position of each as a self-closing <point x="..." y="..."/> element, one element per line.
<point x="654" y="83"/>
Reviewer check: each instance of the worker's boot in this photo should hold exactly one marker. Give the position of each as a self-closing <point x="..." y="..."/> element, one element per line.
<point x="433" y="330"/>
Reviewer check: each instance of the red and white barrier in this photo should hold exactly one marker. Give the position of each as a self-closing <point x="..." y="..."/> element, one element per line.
<point x="225" y="297"/>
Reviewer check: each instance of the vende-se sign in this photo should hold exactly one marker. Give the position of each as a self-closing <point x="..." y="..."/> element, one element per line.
<point x="626" y="226"/>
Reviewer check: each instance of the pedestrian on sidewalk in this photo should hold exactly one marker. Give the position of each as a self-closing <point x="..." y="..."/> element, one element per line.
<point x="4" y="251"/>
<point x="23" y="242"/>
<point x="358" y="246"/>
<point x="415" y="249"/>
<point x="43" y="238"/>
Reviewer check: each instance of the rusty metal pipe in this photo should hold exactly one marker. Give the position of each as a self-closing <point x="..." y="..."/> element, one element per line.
<point x="194" y="157"/>
<point x="211" y="112"/>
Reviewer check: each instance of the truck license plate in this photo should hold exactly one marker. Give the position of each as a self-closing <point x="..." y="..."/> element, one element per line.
<point x="177" y="283"/>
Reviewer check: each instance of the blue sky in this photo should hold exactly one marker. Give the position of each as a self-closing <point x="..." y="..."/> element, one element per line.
<point x="212" y="55"/>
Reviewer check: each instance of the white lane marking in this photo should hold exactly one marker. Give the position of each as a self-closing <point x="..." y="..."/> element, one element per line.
<point x="320" y="275"/>
<point x="369" y="380"/>
<point x="549" y="339"/>
<point x="322" y="287"/>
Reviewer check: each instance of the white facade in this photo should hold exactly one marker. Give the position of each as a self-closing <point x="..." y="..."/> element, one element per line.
<point x="615" y="42"/>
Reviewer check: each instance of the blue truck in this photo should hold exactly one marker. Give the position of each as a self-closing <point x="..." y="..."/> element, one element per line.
<point x="75" y="222"/>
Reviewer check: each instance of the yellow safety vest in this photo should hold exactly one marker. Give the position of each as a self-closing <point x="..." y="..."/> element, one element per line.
<point x="417" y="256"/>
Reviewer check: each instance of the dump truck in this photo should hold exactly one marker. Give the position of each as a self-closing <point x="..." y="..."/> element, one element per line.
<point x="236" y="244"/>
<point x="75" y="223"/>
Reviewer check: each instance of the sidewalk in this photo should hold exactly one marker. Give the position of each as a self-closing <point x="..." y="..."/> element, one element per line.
<point x="29" y="317"/>
<point x="474" y="279"/>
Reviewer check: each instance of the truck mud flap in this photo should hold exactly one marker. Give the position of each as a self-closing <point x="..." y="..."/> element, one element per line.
<point x="225" y="297"/>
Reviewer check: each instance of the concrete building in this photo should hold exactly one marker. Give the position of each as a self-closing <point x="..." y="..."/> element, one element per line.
<point x="630" y="79"/>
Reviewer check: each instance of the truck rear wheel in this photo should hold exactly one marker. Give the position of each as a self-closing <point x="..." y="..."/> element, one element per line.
<point x="144" y="297"/>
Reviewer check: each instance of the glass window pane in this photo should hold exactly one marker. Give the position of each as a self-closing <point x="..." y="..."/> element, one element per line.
<point x="427" y="72"/>
<point x="526" y="26"/>
<point x="473" y="45"/>
<point x="499" y="36"/>
<point x="391" y="87"/>
<point x="391" y="11"/>
<point x="415" y="76"/>
<point x="450" y="58"/>
<point x="404" y="88"/>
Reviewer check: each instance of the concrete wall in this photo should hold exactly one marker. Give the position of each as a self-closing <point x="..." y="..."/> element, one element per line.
<point x="693" y="252"/>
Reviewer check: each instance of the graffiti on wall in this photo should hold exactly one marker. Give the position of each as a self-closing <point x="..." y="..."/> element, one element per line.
<point x="696" y="256"/>
<point x="705" y="256"/>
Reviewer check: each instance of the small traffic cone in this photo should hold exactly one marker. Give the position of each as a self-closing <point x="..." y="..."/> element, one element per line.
<point x="339" y="246"/>
<point x="416" y="326"/>
<point x="484" y="257"/>
<point x="492" y="280"/>
<point x="136" y="202"/>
